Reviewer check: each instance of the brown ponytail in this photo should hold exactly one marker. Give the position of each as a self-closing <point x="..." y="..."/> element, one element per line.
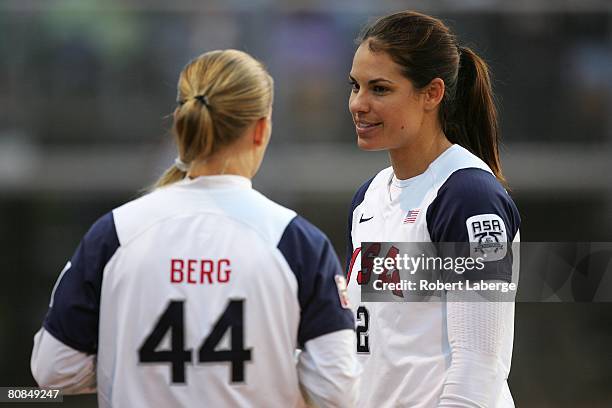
<point x="425" y="49"/>
<point x="472" y="123"/>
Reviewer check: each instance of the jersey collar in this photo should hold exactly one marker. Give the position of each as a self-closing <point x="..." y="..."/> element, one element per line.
<point x="218" y="182"/>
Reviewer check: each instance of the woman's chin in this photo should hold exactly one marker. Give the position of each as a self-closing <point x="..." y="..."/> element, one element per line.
<point x="368" y="144"/>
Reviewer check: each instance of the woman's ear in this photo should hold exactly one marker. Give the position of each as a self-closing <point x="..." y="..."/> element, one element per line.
<point x="260" y="132"/>
<point x="434" y="92"/>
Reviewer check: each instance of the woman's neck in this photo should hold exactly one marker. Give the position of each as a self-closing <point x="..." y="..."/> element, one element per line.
<point x="229" y="163"/>
<point x="414" y="158"/>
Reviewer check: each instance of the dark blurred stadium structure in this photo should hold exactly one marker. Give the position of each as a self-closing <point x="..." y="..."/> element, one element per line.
<point x="86" y="87"/>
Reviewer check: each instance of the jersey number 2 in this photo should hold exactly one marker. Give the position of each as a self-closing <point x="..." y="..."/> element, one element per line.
<point x="362" y="330"/>
<point x="172" y="320"/>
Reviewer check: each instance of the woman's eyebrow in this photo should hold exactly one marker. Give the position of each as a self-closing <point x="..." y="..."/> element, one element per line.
<point x="372" y="81"/>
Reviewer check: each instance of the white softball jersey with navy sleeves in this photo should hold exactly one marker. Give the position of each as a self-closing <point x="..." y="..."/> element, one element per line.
<point x="198" y="294"/>
<point x="403" y="346"/>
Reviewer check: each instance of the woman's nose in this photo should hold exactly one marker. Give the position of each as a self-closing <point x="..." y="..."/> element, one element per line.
<point x="358" y="103"/>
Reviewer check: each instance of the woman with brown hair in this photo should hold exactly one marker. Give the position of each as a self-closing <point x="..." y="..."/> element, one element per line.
<point x="427" y="100"/>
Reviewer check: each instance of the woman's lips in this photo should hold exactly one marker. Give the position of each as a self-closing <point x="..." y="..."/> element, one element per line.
<point x="365" y="128"/>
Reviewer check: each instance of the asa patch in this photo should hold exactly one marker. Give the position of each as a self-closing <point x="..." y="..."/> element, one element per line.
<point x="342" y="291"/>
<point x="487" y="236"/>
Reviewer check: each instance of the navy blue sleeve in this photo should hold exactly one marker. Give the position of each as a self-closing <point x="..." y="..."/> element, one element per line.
<point x="468" y="193"/>
<point x="75" y="304"/>
<point x="357" y="199"/>
<point x="315" y="265"/>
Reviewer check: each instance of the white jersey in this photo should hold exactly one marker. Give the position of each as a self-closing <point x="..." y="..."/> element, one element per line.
<point x="404" y="347"/>
<point x="198" y="295"/>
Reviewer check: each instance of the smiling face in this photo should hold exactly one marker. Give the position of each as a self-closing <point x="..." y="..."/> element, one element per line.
<point x="387" y="110"/>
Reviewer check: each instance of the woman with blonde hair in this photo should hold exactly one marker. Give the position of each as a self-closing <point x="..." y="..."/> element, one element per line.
<point x="199" y="293"/>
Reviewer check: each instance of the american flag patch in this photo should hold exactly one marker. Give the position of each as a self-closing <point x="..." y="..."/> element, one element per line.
<point x="411" y="216"/>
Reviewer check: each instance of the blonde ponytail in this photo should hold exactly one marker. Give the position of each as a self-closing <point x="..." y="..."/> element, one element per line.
<point x="220" y="94"/>
<point x="171" y="175"/>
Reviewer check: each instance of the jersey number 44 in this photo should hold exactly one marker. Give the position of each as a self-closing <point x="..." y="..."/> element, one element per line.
<point x="172" y="320"/>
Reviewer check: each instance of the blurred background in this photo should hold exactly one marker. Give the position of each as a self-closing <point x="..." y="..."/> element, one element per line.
<point x="86" y="87"/>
